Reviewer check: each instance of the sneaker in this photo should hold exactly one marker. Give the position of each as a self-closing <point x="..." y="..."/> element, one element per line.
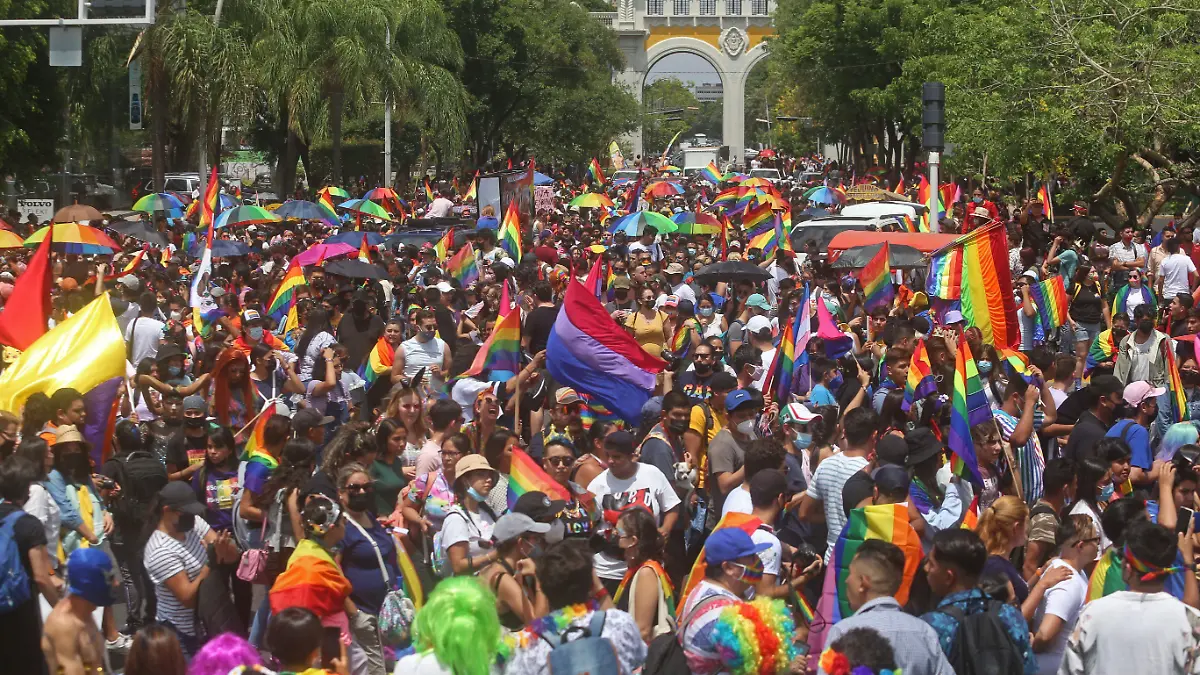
<point x="121" y="644"/>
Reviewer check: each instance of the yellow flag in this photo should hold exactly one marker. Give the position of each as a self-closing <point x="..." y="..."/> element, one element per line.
<point x="80" y="353"/>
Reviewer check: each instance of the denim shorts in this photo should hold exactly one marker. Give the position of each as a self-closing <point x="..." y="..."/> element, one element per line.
<point x="1087" y="331"/>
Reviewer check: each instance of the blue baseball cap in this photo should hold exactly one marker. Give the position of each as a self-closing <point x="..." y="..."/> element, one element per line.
<point x="729" y="544"/>
<point x="90" y="575"/>
<point x="736" y="398"/>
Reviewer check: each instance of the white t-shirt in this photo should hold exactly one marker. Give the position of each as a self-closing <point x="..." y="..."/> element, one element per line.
<point x="461" y="525"/>
<point x="827" y="484"/>
<point x="532" y="656"/>
<point x="648" y="487"/>
<point x="684" y="292"/>
<point x="1064" y="600"/>
<point x="1131" y="632"/>
<point x="419" y="354"/>
<point x="165" y="557"/>
<point x="768" y="357"/>
<point x="1173" y="270"/>
<point x="144" y="333"/>
<point x="737" y="501"/>
<point x="439" y="208"/>
<point x="1082" y="508"/>
<point x="770" y="557"/>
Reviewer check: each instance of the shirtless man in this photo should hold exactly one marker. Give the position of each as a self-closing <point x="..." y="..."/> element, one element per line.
<point x="71" y="640"/>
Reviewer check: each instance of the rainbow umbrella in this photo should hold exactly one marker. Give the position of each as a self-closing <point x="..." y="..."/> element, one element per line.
<point x="364" y="207"/>
<point x="245" y="215"/>
<point x="734" y="177"/>
<point x="758" y="182"/>
<point x="159" y="201"/>
<point x="334" y="191"/>
<point x="10" y="240"/>
<point x="635" y="223"/>
<point x="300" y="209"/>
<point x="75" y="238"/>
<point x="670" y="169"/>
<point x="592" y="200"/>
<point x="664" y="188"/>
<point x="696" y="223"/>
<point x="824" y="195"/>
<point x="381" y="193"/>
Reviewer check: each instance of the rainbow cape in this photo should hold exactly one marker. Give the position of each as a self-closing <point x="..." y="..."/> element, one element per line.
<point x="711" y="173"/>
<point x="526" y="476"/>
<point x="920" y="381"/>
<point x="1103" y="348"/>
<point x="1106" y="576"/>
<point x="876" y="280"/>
<point x="1050" y="296"/>
<point x="378" y="362"/>
<point x="743" y="521"/>
<point x="501" y="354"/>
<point x="968" y="407"/>
<point x="596" y="172"/>
<point x="312" y="580"/>
<point x="462" y="266"/>
<point x="986" y="284"/>
<point x="1175" y="393"/>
<point x="442" y="248"/>
<point x="664" y="581"/>
<point x="510" y="232"/>
<point x="887" y="522"/>
<point x="285" y="295"/>
<point x="1122" y="297"/>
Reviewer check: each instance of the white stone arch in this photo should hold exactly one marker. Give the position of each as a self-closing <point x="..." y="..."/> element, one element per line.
<point x="685" y="45"/>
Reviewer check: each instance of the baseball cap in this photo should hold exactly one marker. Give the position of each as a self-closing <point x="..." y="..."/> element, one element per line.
<point x="130" y="281"/>
<point x="891" y="479"/>
<point x="179" y="496"/>
<point x="250" y="315"/>
<point x="759" y="301"/>
<point x="566" y="396"/>
<point x="90" y="575"/>
<point x="954" y="316"/>
<point x="730" y="543"/>
<point x="675" y="268"/>
<point x="670" y="301"/>
<point x="757" y="324"/>
<point x="512" y="525"/>
<point x="1137" y="392"/>
<point x="1031" y="273"/>
<point x="891" y="449"/>
<point x="194" y="402"/>
<point x="738" y="398"/>
<point x="539" y="506"/>
<point x="621" y="282"/>
<point x="444" y="287"/>
<point x="618" y="441"/>
<point x="797" y="413"/>
<point x="308" y="418"/>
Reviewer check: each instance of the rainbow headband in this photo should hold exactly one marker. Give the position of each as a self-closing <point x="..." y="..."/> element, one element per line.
<point x="835" y="663"/>
<point x="1149" y="571"/>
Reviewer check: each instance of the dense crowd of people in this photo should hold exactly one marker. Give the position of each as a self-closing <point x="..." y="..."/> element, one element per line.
<point x="347" y="490"/>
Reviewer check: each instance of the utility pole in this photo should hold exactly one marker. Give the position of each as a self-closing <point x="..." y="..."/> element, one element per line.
<point x="933" y="123"/>
<point x="387" y="123"/>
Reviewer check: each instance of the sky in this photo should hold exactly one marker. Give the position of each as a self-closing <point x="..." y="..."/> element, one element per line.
<point x="689" y="68"/>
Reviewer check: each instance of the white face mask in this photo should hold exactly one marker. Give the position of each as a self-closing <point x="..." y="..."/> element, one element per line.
<point x="746" y="428"/>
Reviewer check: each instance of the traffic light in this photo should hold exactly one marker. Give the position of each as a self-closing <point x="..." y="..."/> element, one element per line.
<point x="933" y="116"/>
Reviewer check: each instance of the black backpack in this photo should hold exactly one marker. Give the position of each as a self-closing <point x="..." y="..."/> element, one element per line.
<point x="141" y="475"/>
<point x="981" y="644"/>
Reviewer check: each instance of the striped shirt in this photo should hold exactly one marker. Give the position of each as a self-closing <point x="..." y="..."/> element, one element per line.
<point x="827" y="484"/>
<point x="1029" y="456"/>
<point x="701" y="652"/>
<point x="165" y="557"/>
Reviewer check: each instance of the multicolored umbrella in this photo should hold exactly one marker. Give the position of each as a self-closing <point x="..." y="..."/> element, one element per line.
<point x="334" y="191"/>
<point x="635" y="223"/>
<point x="696" y="223"/>
<point x="245" y="215"/>
<point x="824" y="195"/>
<point x="10" y="240"/>
<point x="663" y="189"/>
<point x="75" y="238"/>
<point x="592" y="200"/>
<point x="363" y="207"/>
<point x="758" y="182"/>
<point x="734" y="177"/>
<point x="160" y="201"/>
<point x="300" y="209"/>
<point x="671" y="169"/>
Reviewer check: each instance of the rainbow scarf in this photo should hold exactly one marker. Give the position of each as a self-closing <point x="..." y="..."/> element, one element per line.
<point x="378" y="362"/>
<point x="312" y="580"/>
<point x="285" y="295"/>
<point x="968" y="407"/>
<point x="887" y="522"/>
<point x="462" y="266"/>
<point x="920" y="382"/>
<point x="526" y="476"/>
<point x="1121" y="299"/>
<point x="664" y="582"/>
<point x="1050" y="298"/>
<point x="876" y="280"/>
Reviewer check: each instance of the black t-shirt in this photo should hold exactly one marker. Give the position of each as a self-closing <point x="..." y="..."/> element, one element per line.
<point x="1085" y="305"/>
<point x="447" y="328"/>
<point x="538" y="325"/>
<point x="1087" y="432"/>
<point x="696" y="387"/>
<point x="360" y="335"/>
<point x="183" y="450"/>
<point x="858" y="487"/>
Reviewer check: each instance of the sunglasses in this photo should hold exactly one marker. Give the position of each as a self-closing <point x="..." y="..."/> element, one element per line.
<point x="559" y="461"/>
<point x="359" y="487"/>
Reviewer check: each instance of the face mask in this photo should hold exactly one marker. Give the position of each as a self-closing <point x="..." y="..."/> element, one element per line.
<point x="476" y="495"/>
<point x="802" y="441"/>
<point x="174" y="371"/>
<point x="425" y="335"/>
<point x="531" y="551"/>
<point x="194" y="422"/>
<point x="1106" y="492"/>
<point x="186" y="522"/>
<point x="977" y="199"/>
<point x="706" y="311"/>
<point x="985" y="367"/>
<point x="1145" y="325"/>
<point x="756" y="372"/>
<point x="746" y="428"/>
<point x="752" y="574"/>
<point x="255" y="333"/>
<point x="1189" y="376"/>
<point x="836" y="382"/>
<point x="360" y="501"/>
<point x="677" y="426"/>
<point x="1119" y="334"/>
<point x="691" y="251"/>
<point x="176" y="315"/>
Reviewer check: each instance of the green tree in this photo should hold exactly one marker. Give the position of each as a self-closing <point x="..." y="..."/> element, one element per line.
<point x="31" y="95"/>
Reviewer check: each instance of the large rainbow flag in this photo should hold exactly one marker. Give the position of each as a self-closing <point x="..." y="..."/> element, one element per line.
<point x="985" y="282"/>
<point x="920" y="381"/>
<point x="526" y="476"/>
<point x="208" y="207"/>
<point x="945" y="275"/>
<point x="462" y="266"/>
<point x="312" y="580"/>
<point x="876" y="280"/>
<point x="888" y="522"/>
<point x="500" y="355"/>
<point x="378" y="362"/>
<point x="596" y="172"/>
<point x="762" y="238"/>
<point x="968" y="407"/>
<point x="743" y="521"/>
<point x="1050" y="299"/>
<point x="711" y="173"/>
<point x="285" y="295"/>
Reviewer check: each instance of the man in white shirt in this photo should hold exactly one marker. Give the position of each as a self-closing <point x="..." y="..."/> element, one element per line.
<point x="679" y="288"/>
<point x="1176" y="271"/>
<point x="144" y="332"/>
<point x="440" y="207"/>
<point x="1126" y="256"/>
<point x="1059" y="604"/>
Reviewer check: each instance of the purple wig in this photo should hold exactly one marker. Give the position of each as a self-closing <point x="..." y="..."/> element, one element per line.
<point x="222" y="654"/>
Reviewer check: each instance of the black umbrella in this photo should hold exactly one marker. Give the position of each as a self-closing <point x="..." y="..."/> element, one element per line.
<point x="899" y="255"/>
<point x="140" y="230"/>
<point x="732" y="270"/>
<point x="355" y="269"/>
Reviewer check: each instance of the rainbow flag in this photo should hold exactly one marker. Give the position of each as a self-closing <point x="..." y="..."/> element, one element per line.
<point x="260" y="464"/>
<point x="887" y="522"/>
<point x="1175" y="393"/>
<point x="510" y="232"/>
<point x="312" y="580"/>
<point x="783" y="242"/>
<point x="429" y="197"/>
<point x="1047" y="204"/>
<point x="725" y="198"/>
<point x="1121" y="299"/>
<point x="968" y="407"/>
<point x="378" y="362"/>
<point x="442" y="248"/>
<point x="876" y="280"/>
<point x="1050" y="298"/>
<point x="526" y="476"/>
<point x="471" y="191"/>
<point x="166" y="256"/>
<point x="788" y="348"/>
<point x="409" y="578"/>
<point x="971" y="515"/>
<point x="501" y="354"/>
<point x="986" y="284"/>
<point x="462" y="266"/>
<point x="1106" y="576"/>
<point x="757" y="215"/>
<point x="1103" y="348"/>
<point x="763" y="238"/>
<point x="743" y="521"/>
<point x="945" y="275"/>
<point x="596" y="172"/>
<point x="595" y="411"/>
<point x="900" y="187"/>
<point x="920" y="381"/>
<point x="208" y="208"/>
<point x="285" y="295"/>
<point x="364" y="251"/>
<point x="711" y="173"/>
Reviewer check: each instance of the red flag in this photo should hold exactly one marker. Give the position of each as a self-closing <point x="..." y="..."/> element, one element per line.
<point x="25" y="314"/>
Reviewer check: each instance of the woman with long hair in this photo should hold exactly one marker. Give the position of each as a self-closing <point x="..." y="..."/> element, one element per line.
<point x="825" y="431"/>
<point x="517" y="538"/>
<point x="892" y="418"/>
<point x="216" y="487"/>
<point x="280" y="498"/>
<point x="318" y="335"/>
<point x="40" y="504"/>
<point x="431" y="495"/>
<point x="234" y="399"/>
<point x="1092" y="474"/>
<point x="457" y="632"/>
<point x="85" y="521"/>
<point x="645" y="590"/>
<point x="593" y="462"/>
<point x="1002" y="527"/>
<point x="648" y="325"/>
<point x="156" y="651"/>
<point x="387" y="471"/>
<point x="407" y="406"/>
<point x="1088" y="311"/>
<point x="486" y="411"/>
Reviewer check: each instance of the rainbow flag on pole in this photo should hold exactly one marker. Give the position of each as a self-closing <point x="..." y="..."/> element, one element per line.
<point x="526" y="476"/>
<point x="756" y="215"/>
<point x="920" y="381"/>
<point x="208" y="208"/>
<point x="945" y="275"/>
<point x="1175" y="393"/>
<point x="471" y="191"/>
<point x="763" y="238"/>
<point x="429" y="196"/>
<point x="596" y="172"/>
<point x="968" y="407"/>
<point x="876" y="280"/>
<point x="711" y="173"/>
<point x="986" y="284"/>
<point x="1047" y="204"/>
<point x="285" y="295"/>
<point x="462" y="266"/>
<point x="501" y="354"/>
<point x="442" y="248"/>
<point x="510" y="232"/>
<point x="1050" y="297"/>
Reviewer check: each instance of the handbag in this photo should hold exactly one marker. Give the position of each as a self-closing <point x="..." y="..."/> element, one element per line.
<point x="255" y="565"/>
<point x="397" y="611"/>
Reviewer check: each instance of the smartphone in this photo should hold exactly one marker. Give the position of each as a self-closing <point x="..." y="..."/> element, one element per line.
<point x="331" y="645"/>
<point x="1183" y="517"/>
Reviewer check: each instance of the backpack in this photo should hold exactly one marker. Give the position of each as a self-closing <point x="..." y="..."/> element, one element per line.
<point x="142" y="475"/>
<point x="14" y="580"/>
<point x="589" y="653"/>
<point x="665" y="655"/>
<point x="440" y="558"/>
<point x="981" y="644"/>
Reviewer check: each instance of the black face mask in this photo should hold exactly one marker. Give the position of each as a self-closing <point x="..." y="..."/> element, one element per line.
<point x="1119" y="334"/>
<point x="186" y="522"/>
<point x="1189" y="377"/>
<point x="360" y="501"/>
<point x="194" y="422"/>
<point x="677" y="426"/>
<point x="703" y="368"/>
<point x="1145" y="325"/>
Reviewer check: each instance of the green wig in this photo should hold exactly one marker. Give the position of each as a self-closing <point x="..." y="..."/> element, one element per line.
<point x="459" y="623"/>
